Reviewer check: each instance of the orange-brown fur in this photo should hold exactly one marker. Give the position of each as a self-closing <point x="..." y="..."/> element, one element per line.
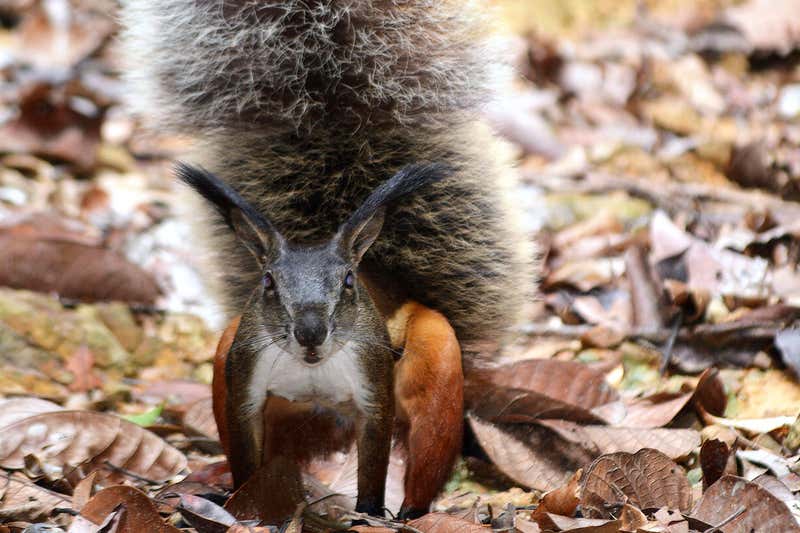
<point x="428" y="397"/>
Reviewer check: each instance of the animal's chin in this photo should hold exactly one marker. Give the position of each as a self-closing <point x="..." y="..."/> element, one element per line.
<point x="311" y="357"/>
<point x="315" y="356"/>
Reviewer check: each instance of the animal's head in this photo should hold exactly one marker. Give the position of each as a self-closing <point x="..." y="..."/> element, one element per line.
<point x="308" y="296"/>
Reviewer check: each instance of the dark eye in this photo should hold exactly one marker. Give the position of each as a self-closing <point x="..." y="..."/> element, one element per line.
<point x="349" y="280"/>
<point x="269" y="282"/>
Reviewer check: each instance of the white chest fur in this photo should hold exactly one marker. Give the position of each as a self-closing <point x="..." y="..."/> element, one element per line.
<point x="337" y="380"/>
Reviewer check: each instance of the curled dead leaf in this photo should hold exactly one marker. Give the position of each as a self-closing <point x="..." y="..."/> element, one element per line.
<point x="714" y="455"/>
<point x="648" y="479"/>
<point x="140" y="512"/>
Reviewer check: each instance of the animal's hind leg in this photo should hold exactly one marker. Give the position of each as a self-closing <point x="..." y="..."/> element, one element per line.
<point x="428" y="386"/>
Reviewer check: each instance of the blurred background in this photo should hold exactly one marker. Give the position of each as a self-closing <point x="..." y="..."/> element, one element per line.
<point x="657" y="143"/>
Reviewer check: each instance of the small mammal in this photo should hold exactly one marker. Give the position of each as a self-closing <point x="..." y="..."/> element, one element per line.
<point x="356" y="214"/>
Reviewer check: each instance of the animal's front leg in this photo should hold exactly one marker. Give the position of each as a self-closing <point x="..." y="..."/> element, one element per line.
<point x="244" y="406"/>
<point x="374" y="446"/>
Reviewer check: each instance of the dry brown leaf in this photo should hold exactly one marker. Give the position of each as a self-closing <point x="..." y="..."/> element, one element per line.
<point x="631" y="518"/>
<point x="83" y="491"/>
<point x="91" y="440"/>
<point x="74" y="271"/>
<point x="140" y="512"/>
<point x="777" y="488"/>
<point x="584" y="525"/>
<point x="584" y="274"/>
<point x="753" y="426"/>
<point x="654" y="411"/>
<point x="15" y="409"/>
<point x="81" y="364"/>
<point x="50" y="41"/>
<point x="199" y="419"/>
<point x="714" y="455"/>
<point x="24" y="500"/>
<point x="177" y="391"/>
<point x="674" y="443"/>
<point x="568" y="381"/>
<point x="561" y="501"/>
<point x="534" y="457"/>
<point x="204" y="515"/>
<point x="513" y="406"/>
<point x="648" y="479"/>
<point x="49" y="226"/>
<point x="710" y="392"/>
<point x="743" y="507"/>
<point x="47" y="125"/>
<point x="647" y="296"/>
<point x="445" y="523"/>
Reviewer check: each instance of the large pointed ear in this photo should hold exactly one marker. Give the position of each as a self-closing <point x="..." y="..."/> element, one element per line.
<point x="251" y="227"/>
<point x="363" y="227"/>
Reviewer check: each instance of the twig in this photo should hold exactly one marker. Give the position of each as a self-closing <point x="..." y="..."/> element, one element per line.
<point x="128" y="473"/>
<point x="372" y="520"/>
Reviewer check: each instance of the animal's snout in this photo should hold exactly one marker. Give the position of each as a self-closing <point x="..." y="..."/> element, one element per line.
<point x="310" y="330"/>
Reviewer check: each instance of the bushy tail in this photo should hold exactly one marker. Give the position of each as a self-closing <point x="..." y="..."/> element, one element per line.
<point x="305" y="106"/>
<point x="277" y="66"/>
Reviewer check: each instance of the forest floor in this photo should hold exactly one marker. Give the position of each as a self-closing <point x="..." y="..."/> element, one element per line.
<point x="653" y="388"/>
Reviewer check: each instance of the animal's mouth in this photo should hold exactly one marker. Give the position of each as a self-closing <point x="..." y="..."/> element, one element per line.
<point x="311" y="357"/>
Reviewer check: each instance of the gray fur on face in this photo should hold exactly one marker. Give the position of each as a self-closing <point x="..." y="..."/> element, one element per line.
<point x="307" y="292"/>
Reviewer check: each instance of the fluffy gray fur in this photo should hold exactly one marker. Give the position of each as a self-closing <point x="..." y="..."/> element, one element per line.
<point x="305" y="106"/>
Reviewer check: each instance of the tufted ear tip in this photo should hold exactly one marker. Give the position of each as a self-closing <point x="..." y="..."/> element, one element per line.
<point x="251" y="227"/>
<point x="365" y="224"/>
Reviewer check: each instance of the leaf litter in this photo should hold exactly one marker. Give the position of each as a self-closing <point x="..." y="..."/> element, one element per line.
<point x="653" y="387"/>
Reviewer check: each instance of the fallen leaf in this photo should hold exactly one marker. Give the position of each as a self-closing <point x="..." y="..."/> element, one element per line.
<point x="140" y="512"/>
<point x="81" y="364"/>
<point x="674" y="443"/>
<point x="15" y="409"/>
<point x="445" y="523"/>
<point x="539" y="388"/>
<point x="84" y="491"/>
<point x="199" y="419"/>
<point x="74" y="271"/>
<point x="714" y="455"/>
<point x="204" y="515"/>
<point x="648" y="479"/>
<point x="647" y="295"/>
<point x="49" y="126"/>
<point x="91" y="440"/>
<point x="561" y="501"/>
<point x="50" y="41"/>
<point x="584" y="525"/>
<point x="736" y="505"/>
<point x="654" y="411"/>
<point x="534" y="457"/>
<point x="24" y="500"/>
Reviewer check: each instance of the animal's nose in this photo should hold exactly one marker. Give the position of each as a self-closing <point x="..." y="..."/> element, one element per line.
<point x="310" y="329"/>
